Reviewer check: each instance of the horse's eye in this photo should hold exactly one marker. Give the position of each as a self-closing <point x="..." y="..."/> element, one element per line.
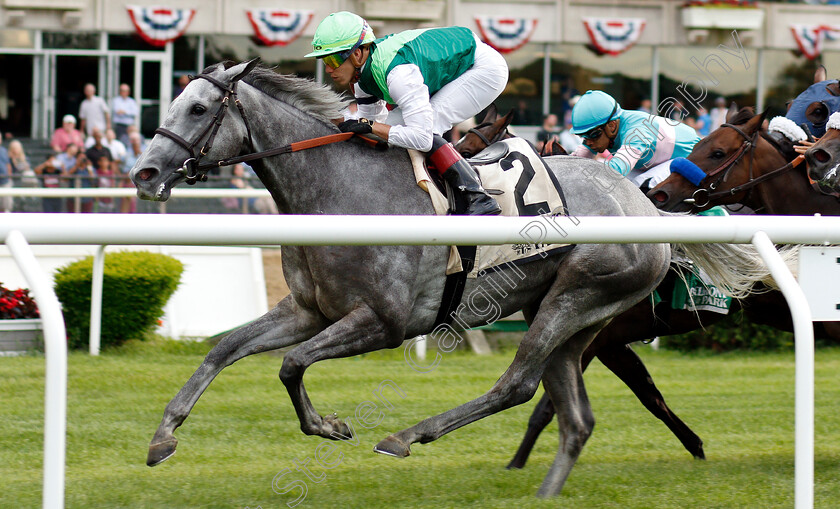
<point x="718" y="154"/>
<point x="198" y="109"/>
<point x="817" y="113"/>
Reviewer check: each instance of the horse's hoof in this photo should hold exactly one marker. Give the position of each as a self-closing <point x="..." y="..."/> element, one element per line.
<point x="334" y="428"/>
<point x="161" y="451"/>
<point x="392" y="447"/>
<point x="515" y="464"/>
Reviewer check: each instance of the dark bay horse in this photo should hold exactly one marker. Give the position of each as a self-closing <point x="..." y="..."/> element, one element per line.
<point x="744" y="164"/>
<point x="348" y="300"/>
<point x="824" y="160"/>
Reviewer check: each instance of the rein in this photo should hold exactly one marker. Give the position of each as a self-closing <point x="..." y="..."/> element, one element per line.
<point x="500" y="135"/>
<point x="194" y="172"/>
<point x="703" y="196"/>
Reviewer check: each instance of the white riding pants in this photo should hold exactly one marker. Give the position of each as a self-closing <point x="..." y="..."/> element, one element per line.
<point x="466" y="95"/>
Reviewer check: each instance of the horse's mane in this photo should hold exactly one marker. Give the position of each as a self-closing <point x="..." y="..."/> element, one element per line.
<point x="305" y="94"/>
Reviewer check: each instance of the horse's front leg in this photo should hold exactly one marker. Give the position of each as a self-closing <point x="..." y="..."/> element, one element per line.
<point x="286" y="324"/>
<point x="361" y="331"/>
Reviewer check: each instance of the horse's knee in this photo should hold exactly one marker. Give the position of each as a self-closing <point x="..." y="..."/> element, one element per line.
<point x="517" y="392"/>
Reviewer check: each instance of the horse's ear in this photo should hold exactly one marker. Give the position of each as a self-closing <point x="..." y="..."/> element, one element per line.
<point x="491" y="115"/>
<point x="754" y="124"/>
<point x="239" y="71"/>
<point x="731" y="112"/>
<point x="821" y="74"/>
<point x="506" y="120"/>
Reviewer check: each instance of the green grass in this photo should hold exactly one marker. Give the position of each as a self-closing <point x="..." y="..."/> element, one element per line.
<point x="243" y="432"/>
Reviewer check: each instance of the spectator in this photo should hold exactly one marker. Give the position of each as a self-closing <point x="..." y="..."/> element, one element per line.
<point x="704" y="122"/>
<point x="5" y="178"/>
<point x="93" y="112"/>
<point x="118" y="150"/>
<point x="67" y="159"/>
<point x="567" y="115"/>
<point x="522" y="115"/>
<point x="570" y="142"/>
<point x="83" y="175"/>
<point x="238" y="180"/>
<point x="105" y="179"/>
<point x="135" y="149"/>
<point x="718" y="114"/>
<point x="66" y="134"/>
<point x="549" y="130"/>
<point x="19" y="167"/>
<point x="50" y="172"/>
<point x="125" y="111"/>
<point x="134" y="129"/>
<point x="183" y="81"/>
<point x="96" y="147"/>
<point x="18" y="162"/>
<point x="646" y="105"/>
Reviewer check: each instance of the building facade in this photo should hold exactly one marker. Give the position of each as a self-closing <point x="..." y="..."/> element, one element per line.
<point x="686" y="55"/>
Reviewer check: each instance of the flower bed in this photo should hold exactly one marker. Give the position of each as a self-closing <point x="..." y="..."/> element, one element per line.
<point x="21" y="329"/>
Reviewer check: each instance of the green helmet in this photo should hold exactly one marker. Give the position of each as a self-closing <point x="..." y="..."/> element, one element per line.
<point x="593" y="109"/>
<point x="340" y="31"/>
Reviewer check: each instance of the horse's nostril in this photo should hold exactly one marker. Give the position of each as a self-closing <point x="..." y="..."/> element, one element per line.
<point x="660" y="196"/>
<point x="821" y="155"/>
<point x="147" y="174"/>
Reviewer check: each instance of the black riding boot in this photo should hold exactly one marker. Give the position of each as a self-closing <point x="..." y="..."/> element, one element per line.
<point x="471" y="198"/>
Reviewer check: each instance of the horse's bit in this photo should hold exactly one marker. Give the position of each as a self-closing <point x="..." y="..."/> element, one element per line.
<point x="190" y="169"/>
<point x="705" y="195"/>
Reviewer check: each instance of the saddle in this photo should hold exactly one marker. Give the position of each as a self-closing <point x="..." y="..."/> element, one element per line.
<point x="519" y="179"/>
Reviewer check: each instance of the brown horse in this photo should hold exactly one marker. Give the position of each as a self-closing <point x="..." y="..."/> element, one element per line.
<point x="745" y="164"/>
<point x="496" y="127"/>
<point x="823" y="160"/>
<point x="642" y="322"/>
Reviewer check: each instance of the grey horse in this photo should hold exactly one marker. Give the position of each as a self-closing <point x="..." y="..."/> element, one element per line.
<point x="348" y="300"/>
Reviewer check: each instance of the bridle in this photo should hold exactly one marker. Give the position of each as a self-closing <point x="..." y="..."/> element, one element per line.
<point x="497" y="137"/>
<point x="703" y="196"/>
<point x="193" y="171"/>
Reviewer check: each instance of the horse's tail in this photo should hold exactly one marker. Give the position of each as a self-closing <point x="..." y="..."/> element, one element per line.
<point x="734" y="268"/>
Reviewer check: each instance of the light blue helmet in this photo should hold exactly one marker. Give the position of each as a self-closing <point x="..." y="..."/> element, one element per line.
<point x="595" y="108"/>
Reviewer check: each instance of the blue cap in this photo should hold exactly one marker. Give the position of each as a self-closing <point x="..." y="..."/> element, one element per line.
<point x="595" y="108"/>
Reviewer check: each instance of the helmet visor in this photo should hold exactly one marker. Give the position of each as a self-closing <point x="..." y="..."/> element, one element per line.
<point x="334" y="60"/>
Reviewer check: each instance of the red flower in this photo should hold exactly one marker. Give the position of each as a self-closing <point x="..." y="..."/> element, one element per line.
<point x="17" y="304"/>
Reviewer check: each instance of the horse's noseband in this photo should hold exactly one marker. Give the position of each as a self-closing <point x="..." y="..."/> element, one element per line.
<point x="191" y="170"/>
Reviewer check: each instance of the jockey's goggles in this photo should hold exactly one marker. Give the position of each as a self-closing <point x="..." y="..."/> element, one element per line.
<point x="334" y="60"/>
<point x="595" y="133"/>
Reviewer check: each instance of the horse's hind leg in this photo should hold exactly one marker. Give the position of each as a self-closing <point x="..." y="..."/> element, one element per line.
<point x="627" y="365"/>
<point x="544" y="410"/>
<point x="563" y="382"/>
<point x="284" y="325"/>
<point x="540" y="418"/>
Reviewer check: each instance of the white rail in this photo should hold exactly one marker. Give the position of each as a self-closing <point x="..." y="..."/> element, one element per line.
<point x="126" y="192"/>
<point x="199" y="229"/>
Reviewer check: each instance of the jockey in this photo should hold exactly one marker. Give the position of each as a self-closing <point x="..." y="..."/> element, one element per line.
<point x="436" y="77"/>
<point x="642" y="144"/>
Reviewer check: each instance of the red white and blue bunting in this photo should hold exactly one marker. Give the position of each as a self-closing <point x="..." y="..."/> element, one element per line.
<point x="810" y="38"/>
<point x="158" y="25"/>
<point x="505" y="34"/>
<point x="613" y="36"/>
<point x="278" y="27"/>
